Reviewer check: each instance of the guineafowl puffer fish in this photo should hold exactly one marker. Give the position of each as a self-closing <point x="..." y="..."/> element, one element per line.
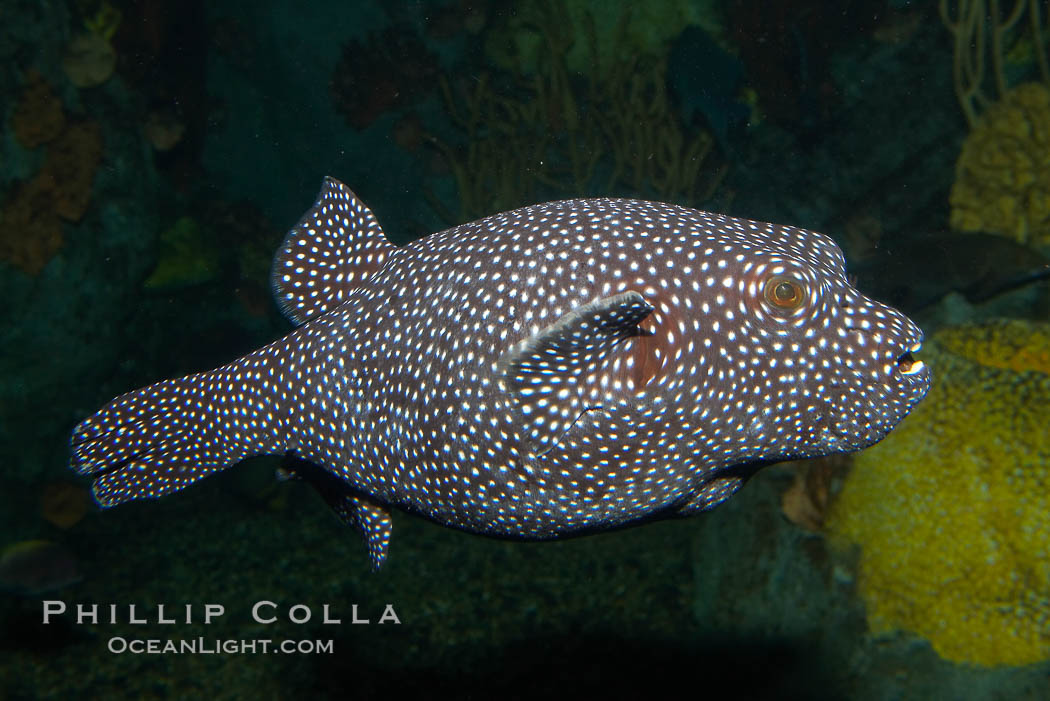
<point x="559" y="369"/>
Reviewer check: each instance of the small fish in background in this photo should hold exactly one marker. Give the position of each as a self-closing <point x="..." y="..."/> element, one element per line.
<point x="35" y="567"/>
<point x="980" y="266"/>
<point x="555" y="370"/>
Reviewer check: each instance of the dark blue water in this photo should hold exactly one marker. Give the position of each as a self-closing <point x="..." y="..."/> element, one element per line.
<point x="153" y="155"/>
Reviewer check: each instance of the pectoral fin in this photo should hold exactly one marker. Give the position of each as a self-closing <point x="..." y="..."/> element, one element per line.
<point x="556" y="374"/>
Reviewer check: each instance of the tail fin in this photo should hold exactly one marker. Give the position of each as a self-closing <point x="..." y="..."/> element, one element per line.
<point x="164" y="437"/>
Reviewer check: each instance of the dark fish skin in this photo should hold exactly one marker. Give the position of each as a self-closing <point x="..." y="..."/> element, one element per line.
<point x="562" y="368"/>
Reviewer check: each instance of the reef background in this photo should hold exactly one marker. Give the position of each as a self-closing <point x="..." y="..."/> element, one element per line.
<point x="153" y="154"/>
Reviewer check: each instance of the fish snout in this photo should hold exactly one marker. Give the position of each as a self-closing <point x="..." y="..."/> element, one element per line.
<point x="893" y="341"/>
<point x="904" y="343"/>
<point x="901" y="346"/>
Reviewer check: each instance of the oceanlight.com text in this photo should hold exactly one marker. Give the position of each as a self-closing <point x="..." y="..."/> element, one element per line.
<point x="215" y="646"/>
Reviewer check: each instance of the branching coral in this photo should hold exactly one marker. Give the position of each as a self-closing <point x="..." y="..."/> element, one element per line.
<point x="518" y="40"/>
<point x="952" y="511"/>
<point x="30" y="229"/>
<point x="982" y="32"/>
<point x="553" y="131"/>
<point x="31" y="218"/>
<point x="70" y="168"/>
<point x="187" y="257"/>
<point x="105" y="21"/>
<point x="1002" y="178"/>
<point x="38" y="117"/>
<point x="89" y="60"/>
<point x="387" y="70"/>
<point x="806" y="502"/>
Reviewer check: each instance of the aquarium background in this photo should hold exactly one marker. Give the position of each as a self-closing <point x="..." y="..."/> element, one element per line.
<point x="152" y="155"/>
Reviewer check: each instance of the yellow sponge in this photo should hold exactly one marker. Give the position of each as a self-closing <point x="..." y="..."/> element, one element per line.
<point x="952" y="511"/>
<point x="1002" y="178"/>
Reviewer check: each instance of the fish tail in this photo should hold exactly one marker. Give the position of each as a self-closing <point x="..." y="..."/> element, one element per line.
<point x="164" y="437"/>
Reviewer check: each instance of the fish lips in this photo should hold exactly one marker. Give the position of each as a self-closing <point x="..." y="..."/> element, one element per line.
<point x="904" y="382"/>
<point x="911" y="375"/>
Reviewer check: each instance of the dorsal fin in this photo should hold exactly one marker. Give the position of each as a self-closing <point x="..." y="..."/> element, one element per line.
<point x="547" y="374"/>
<point x="334" y="248"/>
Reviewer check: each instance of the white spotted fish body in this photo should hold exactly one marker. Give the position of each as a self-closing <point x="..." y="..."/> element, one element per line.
<point x="562" y="368"/>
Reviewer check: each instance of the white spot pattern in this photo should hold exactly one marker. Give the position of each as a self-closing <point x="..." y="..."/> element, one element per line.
<point x="561" y="368"/>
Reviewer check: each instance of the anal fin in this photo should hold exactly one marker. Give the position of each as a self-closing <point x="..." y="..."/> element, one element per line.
<point x="370" y="519"/>
<point x="367" y="516"/>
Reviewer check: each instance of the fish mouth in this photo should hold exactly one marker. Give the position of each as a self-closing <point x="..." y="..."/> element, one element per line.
<point x="906" y="363"/>
<point x="863" y="408"/>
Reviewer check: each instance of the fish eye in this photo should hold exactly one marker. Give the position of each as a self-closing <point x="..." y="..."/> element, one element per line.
<point x="784" y="293"/>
